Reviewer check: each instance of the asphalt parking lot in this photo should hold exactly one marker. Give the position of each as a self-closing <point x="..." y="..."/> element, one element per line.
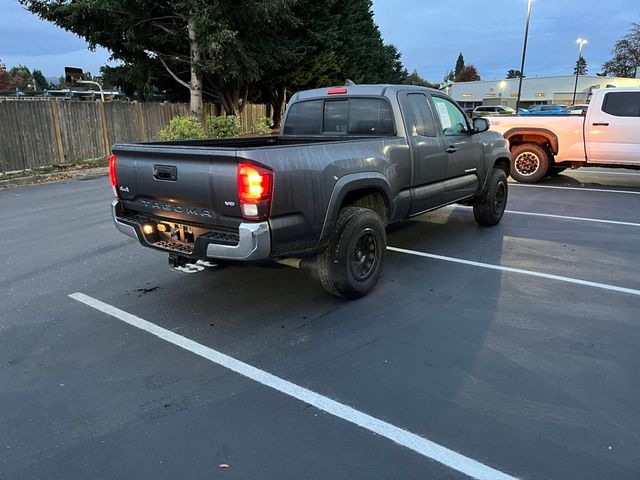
<point x="513" y="347"/>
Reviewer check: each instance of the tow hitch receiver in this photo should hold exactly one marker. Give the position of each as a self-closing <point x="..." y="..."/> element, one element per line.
<point x="186" y="265"/>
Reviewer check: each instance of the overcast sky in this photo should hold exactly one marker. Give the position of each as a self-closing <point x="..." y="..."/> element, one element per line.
<point x="429" y="34"/>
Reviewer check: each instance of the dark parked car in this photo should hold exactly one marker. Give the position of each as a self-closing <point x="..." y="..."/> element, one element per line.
<point x="350" y="161"/>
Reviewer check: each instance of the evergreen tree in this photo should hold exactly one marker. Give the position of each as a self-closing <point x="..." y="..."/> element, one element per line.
<point x="459" y="65"/>
<point x="331" y="42"/>
<point x="581" y="66"/>
<point x="40" y="80"/>
<point x="363" y="56"/>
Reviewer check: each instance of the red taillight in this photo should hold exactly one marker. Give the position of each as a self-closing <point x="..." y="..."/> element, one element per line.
<point x="112" y="173"/>
<point x="336" y="90"/>
<point x="255" y="185"/>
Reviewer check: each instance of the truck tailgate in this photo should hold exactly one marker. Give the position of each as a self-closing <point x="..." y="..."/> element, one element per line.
<point x="188" y="184"/>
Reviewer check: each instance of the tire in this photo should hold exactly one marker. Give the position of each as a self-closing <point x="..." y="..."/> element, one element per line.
<point x="343" y="269"/>
<point x="530" y="163"/>
<point x="488" y="209"/>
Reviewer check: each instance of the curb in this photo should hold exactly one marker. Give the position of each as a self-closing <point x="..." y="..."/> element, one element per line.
<point x="53" y="177"/>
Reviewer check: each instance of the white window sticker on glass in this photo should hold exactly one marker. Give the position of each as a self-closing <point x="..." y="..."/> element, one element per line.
<point x="443" y="113"/>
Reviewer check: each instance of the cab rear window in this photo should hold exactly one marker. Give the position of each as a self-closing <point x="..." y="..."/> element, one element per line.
<point x="355" y="116"/>
<point x="622" y="104"/>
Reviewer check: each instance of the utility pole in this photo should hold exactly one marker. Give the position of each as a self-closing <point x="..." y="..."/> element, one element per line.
<point x="524" y="54"/>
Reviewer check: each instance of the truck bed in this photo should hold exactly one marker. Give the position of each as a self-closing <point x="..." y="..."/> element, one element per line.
<point x="254" y="142"/>
<point x="195" y="183"/>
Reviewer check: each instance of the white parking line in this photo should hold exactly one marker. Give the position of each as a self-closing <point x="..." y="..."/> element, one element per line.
<point x="561" y="217"/>
<point x="581" y="219"/>
<point x="414" y="442"/>
<point x="515" y="184"/>
<point x="491" y="266"/>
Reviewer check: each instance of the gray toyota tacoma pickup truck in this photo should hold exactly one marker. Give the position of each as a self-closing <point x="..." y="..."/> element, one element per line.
<point x="349" y="161"/>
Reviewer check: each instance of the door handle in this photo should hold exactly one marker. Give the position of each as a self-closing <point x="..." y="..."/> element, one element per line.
<point x="452" y="149"/>
<point x="601" y="124"/>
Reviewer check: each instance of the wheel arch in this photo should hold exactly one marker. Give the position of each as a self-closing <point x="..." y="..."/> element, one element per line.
<point x="538" y="136"/>
<point x="503" y="163"/>
<point x="369" y="189"/>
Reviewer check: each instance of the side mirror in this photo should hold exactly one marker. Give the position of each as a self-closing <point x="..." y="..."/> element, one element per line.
<point x="480" y="124"/>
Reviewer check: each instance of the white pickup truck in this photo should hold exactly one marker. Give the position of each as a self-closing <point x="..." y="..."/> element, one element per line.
<point x="607" y="135"/>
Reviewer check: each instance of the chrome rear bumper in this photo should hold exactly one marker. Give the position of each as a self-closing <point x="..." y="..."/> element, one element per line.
<point x="254" y="239"/>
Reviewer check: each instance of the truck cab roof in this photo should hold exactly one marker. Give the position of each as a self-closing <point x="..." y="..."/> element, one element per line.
<point x="616" y="89"/>
<point x="365" y="90"/>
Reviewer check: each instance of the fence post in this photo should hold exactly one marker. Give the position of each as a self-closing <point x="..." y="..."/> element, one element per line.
<point x="57" y="131"/>
<point x="105" y="128"/>
<point x="139" y="121"/>
<point x="167" y="112"/>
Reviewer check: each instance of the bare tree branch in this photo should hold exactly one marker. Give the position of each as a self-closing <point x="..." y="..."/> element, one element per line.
<point x="175" y="77"/>
<point x="164" y="29"/>
<point x="211" y="93"/>
<point x="158" y="18"/>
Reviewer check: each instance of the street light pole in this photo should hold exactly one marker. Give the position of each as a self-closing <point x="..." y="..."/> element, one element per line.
<point x="581" y="42"/>
<point x="524" y="54"/>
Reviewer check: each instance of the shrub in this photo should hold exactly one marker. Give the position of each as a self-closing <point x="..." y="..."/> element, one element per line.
<point x="222" y="127"/>
<point x="183" y="128"/>
<point x="262" y="126"/>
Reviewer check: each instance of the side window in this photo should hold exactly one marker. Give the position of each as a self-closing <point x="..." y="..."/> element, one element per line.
<point x="335" y="116"/>
<point x="370" y="116"/>
<point x="451" y="118"/>
<point x="304" y="118"/>
<point x="423" y="122"/>
<point x="622" y="104"/>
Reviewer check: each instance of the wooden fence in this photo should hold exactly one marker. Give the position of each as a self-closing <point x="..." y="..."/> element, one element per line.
<point x="47" y="132"/>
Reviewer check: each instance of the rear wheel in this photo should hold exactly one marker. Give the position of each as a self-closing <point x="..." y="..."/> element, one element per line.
<point x="489" y="208"/>
<point x="530" y="163"/>
<point x="351" y="264"/>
